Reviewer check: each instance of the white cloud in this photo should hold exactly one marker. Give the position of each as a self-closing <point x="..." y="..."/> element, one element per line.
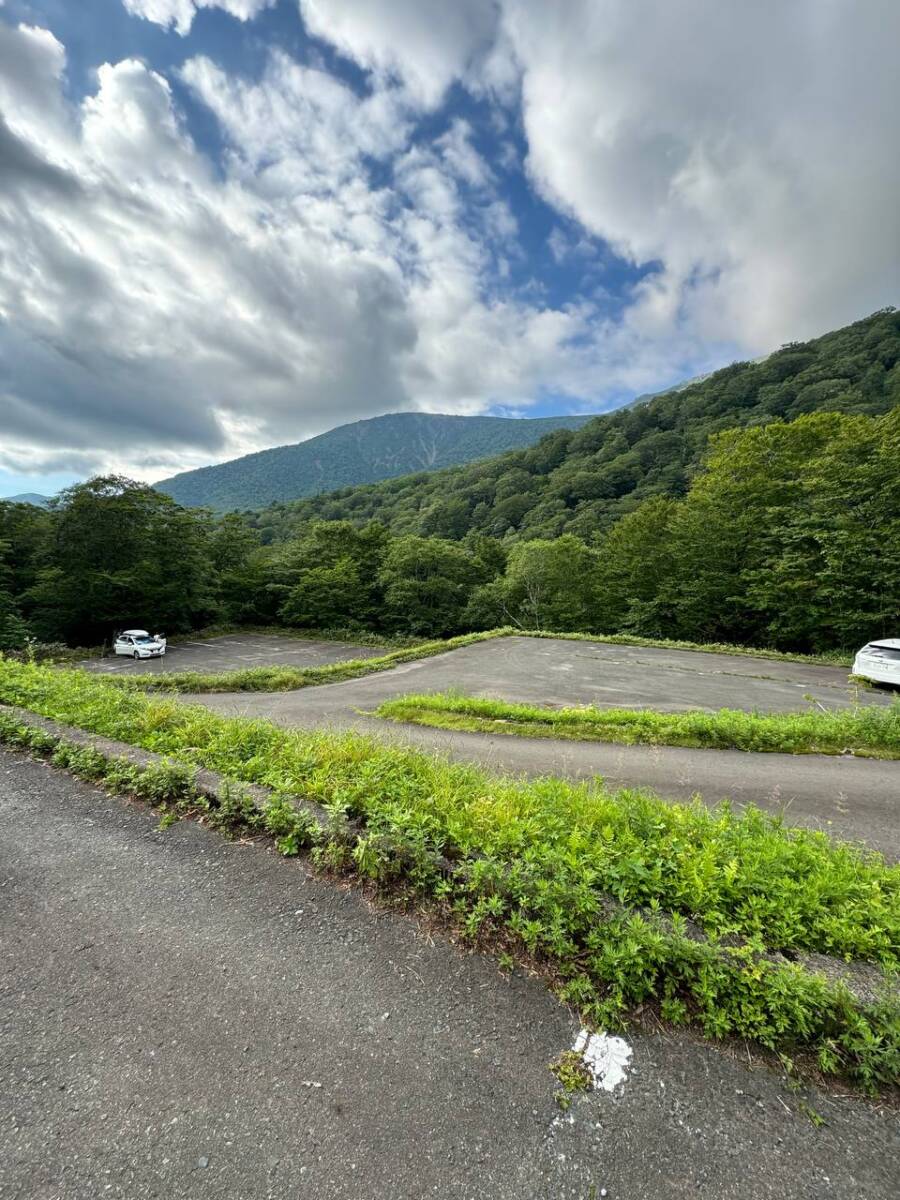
<point x="160" y="309"/>
<point x="751" y="149"/>
<point x="424" y="43"/>
<point x="179" y="14"/>
<point x="157" y="312"/>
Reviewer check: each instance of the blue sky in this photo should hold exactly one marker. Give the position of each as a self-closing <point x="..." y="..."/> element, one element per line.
<point x="236" y="223"/>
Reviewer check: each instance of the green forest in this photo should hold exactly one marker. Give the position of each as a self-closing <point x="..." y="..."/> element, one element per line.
<point x="582" y="481"/>
<point x="760" y="507"/>
<point x="361" y="452"/>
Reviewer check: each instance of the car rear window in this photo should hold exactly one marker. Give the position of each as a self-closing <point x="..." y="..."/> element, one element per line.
<point x="886" y="652"/>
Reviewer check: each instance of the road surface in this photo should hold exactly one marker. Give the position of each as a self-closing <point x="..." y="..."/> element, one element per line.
<point x="853" y="798"/>
<point x="183" y="1016"/>
<point x="235" y="652"/>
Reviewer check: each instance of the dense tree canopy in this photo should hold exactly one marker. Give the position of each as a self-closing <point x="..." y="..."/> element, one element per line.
<point x="582" y="481"/>
<point x="760" y="507"/>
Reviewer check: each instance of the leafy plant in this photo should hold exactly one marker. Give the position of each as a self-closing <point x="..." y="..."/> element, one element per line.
<point x="600" y="886"/>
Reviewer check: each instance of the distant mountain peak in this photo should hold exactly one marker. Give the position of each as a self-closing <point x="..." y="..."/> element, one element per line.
<point x="366" y="451"/>
<point x="34" y="498"/>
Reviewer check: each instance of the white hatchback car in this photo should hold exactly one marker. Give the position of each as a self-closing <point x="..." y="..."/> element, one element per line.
<point x="879" y="661"/>
<point x="137" y="643"/>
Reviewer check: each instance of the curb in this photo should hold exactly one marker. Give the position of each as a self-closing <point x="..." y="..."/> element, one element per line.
<point x="866" y="982"/>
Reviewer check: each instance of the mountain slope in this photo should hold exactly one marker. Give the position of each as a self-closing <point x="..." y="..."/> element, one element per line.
<point x="581" y="481"/>
<point x="27" y="498"/>
<point x="363" y="452"/>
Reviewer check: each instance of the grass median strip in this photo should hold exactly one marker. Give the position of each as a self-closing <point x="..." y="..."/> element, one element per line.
<point x="285" y="679"/>
<point x="867" y="730"/>
<point x="540" y="862"/>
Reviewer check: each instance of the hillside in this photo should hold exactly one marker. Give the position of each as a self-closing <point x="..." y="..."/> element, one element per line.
<point x="363" y="452"/>
<point x="28" y="498"/>
<point x="580" y="481"/>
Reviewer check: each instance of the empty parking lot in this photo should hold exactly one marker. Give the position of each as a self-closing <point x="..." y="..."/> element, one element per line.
<point x="236" y="652"/>
<point x="850" y="797"/>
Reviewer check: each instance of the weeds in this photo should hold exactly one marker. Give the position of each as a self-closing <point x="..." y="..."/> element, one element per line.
<point x="573" y="1075"/>
<point x="599" y="886"/>
<point x="284" y="679"/>
<point x="867" y="730"/>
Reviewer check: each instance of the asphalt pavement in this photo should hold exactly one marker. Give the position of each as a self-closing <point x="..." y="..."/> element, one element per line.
<point x="853" y="798"/>
<point x="183" y="1016"/>
<point x="235" y="652"/>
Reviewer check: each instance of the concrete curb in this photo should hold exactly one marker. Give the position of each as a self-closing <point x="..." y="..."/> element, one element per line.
<point x="209" y="784"/>
<point x="865" y="981"/>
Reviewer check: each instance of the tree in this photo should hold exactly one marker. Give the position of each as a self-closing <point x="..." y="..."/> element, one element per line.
<point x="121" y="553"/>
<point x="239" y="568"/>
<point x="547" y="585"/>
<point x="330" y="577"/>
<point x="13" y="630"/>
<point x="426" y="583"/>
<point x="636" y="565"/>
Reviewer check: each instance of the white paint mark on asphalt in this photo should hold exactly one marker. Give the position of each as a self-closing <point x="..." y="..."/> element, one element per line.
<point x="606" y="1057"/>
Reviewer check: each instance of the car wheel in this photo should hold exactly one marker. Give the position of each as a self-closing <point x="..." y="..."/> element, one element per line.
<point x="135" y="655"/>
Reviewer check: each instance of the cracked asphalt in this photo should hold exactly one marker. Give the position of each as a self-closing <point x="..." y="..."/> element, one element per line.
<point x="183" y="1016"/>
<point x="853" y="798"/>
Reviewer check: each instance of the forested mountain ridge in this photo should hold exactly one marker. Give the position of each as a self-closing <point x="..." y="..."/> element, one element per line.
<point x="28" y="498"/>
<point x="581" y="481"/>
<point x="361" y="452"/>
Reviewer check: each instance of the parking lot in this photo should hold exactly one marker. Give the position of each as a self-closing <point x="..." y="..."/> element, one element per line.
<point x="851" y="797"/>
<point x="538" y="671"/>
<point x="236" y="652"/>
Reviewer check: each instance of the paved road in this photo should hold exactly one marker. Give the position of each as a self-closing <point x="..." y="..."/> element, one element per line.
<point x="235" y="652"/>
<point x="857" y="799"/>
<point x="168" y="1002"/>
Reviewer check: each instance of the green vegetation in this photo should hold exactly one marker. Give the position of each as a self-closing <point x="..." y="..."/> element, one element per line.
<point x="362" y="452"/>
<point x="287" y="679"/>
<point x="573" y="1076"/>
<point x="582" y="482"/>
<point x="758" y="507"/>
<point x="599" y="886"/>
<point x="871" y="731"/>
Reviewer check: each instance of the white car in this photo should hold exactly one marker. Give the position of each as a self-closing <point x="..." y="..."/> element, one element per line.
<point x="879" y="661"/>
<point x="137" y="643"/>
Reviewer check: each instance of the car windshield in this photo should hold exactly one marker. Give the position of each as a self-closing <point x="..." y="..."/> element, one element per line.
<point x="143" y="640"/>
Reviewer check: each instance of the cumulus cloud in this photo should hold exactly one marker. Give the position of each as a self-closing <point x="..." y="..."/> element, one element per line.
<point x="750" y="149"/>
<point x="426" y="44"/>
<point x="179" y="14"/>
<point x="163" y="310"/>
<point x="349" y="249"/>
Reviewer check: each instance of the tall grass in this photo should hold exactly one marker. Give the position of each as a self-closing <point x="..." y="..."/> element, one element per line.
<point x="541" y="860"/>
<point x="867" y="730"/>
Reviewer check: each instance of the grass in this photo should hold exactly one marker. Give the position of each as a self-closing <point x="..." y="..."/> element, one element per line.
<point x="868" y="730"/>
<point x="598" y="885"/>
<point x="284" y="679"/>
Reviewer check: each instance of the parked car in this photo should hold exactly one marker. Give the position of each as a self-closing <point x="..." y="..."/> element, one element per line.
<point x="879" y="661"/>
<point x="138" y="643"/>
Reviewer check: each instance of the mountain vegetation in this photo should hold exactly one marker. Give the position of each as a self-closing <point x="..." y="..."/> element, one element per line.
<point x="753" y="521"/>
<point x="362" y="452"/>
<point x="29" y="498"/>
<point x="581" y="481"/>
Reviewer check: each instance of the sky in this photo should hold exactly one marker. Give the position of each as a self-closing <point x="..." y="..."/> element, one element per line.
<point x="233" y="224"/>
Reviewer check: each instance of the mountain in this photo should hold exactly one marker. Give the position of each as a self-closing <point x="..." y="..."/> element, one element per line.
<point x="27" y="498"/>
<point x="363" y="452"/>
<point x="582" y="480"/>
